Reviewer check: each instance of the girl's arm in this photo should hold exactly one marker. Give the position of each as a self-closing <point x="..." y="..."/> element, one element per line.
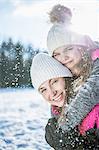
<point x="70" y="140"/>
<point x="86" y="98"/>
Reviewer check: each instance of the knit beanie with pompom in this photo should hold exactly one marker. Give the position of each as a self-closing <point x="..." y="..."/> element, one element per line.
<point x="59" y="36"/>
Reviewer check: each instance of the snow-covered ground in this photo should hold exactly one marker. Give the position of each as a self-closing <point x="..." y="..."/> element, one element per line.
<point x="23" y="116"/>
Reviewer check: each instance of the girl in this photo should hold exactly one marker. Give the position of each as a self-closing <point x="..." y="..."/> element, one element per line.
<point x="54" y="83"/>
<point x="75" y="51"/>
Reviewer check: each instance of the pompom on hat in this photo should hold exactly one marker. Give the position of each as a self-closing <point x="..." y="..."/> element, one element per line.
<point x="59" y="36"/>
<point x="60" y="14"/>
<point x="45" y="67"/>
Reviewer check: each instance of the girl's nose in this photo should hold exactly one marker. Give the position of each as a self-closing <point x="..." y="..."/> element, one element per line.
<point x="64" y="58"/>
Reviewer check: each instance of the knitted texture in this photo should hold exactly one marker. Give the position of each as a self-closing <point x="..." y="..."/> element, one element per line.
<point x="59" y="36"/>
<point x="44" y="68"/>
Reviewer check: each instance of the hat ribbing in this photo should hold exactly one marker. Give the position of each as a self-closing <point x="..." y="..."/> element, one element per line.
<point x="59" y="36"/>
<point x="44" y="68"/>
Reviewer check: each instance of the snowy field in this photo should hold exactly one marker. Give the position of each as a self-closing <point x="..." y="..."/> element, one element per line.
<point x="23" y="116"/>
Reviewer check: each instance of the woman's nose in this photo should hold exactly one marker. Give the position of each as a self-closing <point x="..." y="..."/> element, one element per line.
<point x="53" y="92"/>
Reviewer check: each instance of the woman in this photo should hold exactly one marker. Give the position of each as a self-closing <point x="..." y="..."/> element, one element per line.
<point x="47" y="76"/>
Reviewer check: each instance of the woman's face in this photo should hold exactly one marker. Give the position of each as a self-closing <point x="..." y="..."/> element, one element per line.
<point x="53" y="91"/>
<point x="70" y="56"/>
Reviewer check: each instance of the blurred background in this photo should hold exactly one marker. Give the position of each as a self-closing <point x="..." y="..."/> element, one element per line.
<point x="23" y="30"/>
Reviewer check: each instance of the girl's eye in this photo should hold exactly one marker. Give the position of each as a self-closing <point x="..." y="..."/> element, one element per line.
<point x="68" y="48"/>
<point x="55" y="55"/>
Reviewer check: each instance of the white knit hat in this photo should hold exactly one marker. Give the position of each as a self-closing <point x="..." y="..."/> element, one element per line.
<point x="59" y="36"/>
<point x="45" y="67"/>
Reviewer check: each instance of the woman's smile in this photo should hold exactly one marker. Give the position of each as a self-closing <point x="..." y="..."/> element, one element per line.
<point x="59" y="97"/>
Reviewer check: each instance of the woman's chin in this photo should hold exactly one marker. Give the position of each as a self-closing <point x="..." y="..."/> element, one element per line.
<point x="60" y="104"/>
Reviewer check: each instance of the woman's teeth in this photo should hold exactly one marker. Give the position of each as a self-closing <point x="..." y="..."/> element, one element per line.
<point x="58" y="98"/>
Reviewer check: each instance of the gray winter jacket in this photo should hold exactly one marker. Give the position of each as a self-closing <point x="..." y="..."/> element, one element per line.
<point x="86" y="98"/>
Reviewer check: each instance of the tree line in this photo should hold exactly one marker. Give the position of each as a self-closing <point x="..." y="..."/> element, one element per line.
<point x="15" y="62"/>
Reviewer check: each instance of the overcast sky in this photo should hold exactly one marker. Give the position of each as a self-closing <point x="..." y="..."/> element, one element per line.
<point x="27" y="20"/>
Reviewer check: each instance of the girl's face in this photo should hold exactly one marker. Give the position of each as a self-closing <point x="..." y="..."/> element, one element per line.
<point x="70" y="56"/>
<point x="53" y="91"/>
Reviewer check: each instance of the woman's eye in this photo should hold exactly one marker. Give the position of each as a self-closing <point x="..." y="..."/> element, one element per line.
<point x="42" y="91"/>
<point x="54" y="81"/>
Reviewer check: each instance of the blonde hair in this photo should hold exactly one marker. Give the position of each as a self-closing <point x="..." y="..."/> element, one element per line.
<point x="86" y="65"/>
<point x="60" y="13"/>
